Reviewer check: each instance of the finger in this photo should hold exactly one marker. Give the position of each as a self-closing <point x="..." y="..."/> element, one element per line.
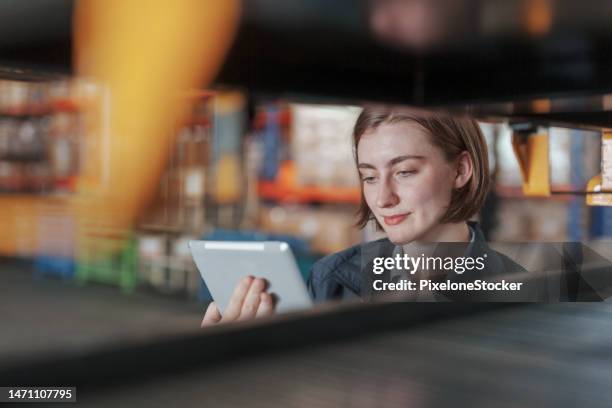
<point x="266" y="305"/>
<point x="212" y="315"/>
<point x="233" y="309"/>
<point x="251" y="301"/>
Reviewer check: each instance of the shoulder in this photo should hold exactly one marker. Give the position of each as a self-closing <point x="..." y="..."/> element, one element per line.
<point x="496" y="262"/>
<point x="332" y="275"/>
<point x="338" y="276"/>
<point x="505" y="264"/>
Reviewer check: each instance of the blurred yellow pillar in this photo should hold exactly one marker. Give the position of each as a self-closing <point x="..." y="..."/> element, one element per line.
<point x="531" y="152"/>
<point x="145" y="54"/>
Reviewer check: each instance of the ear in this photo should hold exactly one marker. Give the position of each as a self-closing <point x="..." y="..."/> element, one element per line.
<point x="464" y="169"/>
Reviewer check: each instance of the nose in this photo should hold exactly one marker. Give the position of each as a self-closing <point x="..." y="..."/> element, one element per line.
<point x="387" y="196"/>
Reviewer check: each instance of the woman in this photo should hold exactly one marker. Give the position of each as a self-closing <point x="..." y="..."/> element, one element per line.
<point x="423" y="176"/>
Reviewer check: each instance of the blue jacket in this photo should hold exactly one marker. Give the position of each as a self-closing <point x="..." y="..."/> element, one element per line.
<point x="345" y="274"/>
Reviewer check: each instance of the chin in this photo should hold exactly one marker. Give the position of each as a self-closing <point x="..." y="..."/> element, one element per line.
<point x="400" y="237"/>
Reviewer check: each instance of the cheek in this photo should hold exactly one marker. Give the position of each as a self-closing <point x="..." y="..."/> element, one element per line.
<point x="431" y="192"/>
<point x="369" y="194"/>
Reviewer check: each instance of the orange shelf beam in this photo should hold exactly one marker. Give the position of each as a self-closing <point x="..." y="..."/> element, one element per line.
<point x="285" y="189"/>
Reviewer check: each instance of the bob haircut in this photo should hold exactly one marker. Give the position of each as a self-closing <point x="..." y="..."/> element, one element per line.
<point x="452" y="135"/>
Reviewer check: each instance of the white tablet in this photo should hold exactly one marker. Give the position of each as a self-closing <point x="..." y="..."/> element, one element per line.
<point x="223" y="263"/>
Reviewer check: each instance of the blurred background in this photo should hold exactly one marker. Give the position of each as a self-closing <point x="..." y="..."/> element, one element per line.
<point x="124" y="134"/>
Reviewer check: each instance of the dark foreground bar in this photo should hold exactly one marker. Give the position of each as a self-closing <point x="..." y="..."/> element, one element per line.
<point x="381" y="355"/>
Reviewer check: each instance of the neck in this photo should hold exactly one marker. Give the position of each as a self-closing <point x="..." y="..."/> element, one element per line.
<point x="448" y="232"/>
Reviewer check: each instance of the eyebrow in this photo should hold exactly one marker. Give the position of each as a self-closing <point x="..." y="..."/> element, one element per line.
<point x="391" y="162"/>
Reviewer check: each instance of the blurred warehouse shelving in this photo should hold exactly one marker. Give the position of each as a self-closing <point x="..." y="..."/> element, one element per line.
<point x="286" y="172"/>
<point x="42" y="142"/>
<point x="287" y="169"/>
<point x="39" y="138"/>
<point x="260" y="202"/>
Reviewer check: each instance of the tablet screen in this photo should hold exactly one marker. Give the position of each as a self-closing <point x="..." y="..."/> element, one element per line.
<point x="223" y="263"/>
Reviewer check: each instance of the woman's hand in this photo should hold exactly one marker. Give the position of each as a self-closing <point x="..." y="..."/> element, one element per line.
<point x="249" y="300"/>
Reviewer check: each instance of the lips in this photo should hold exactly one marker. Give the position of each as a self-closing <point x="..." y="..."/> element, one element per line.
<point x="395" y="219"/>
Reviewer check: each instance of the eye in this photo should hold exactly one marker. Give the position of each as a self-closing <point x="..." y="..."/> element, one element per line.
<point x="406" y="173"/>
<point x="368" y="179"/>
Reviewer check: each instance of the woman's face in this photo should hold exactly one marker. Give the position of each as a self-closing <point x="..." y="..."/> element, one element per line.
<point x="407" y="182"/>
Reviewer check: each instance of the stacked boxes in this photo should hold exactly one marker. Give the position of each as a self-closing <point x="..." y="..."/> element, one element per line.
<point x="321" y="145"/>
<point x="326" y="230"/>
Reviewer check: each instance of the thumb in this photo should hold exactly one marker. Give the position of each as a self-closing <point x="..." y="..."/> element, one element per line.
<point x="212" y="315"/>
